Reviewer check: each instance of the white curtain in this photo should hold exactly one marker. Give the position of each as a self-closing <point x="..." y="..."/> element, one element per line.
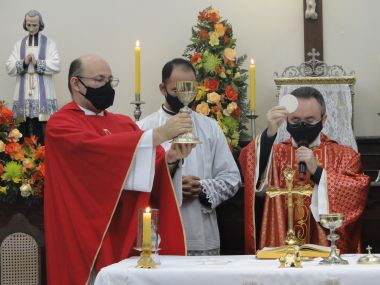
<point x="338" y="101"/>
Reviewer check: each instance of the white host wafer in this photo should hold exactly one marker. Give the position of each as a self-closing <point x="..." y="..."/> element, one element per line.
<point x="290" y="102"/>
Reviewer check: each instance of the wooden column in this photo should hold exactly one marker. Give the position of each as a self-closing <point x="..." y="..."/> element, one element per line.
<point x="313" y="33"/>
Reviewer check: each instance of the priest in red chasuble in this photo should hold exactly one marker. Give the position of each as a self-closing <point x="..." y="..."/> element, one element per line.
<point x="333" y="170"/>
<point x="100" y="169"/>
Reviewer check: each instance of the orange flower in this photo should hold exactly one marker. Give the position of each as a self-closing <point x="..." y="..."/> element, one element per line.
<point x="1" y="168"/>
<point x="203" y="35"/>
<point x="219" y="29"/>
<point x="212" y="84"/>
<point x="213" y="98"/>
<point x="15" y="151"/>
<point x="39" y="174"/>
<point x="217" y="107"/>
<point x="6" y="116"/>
<point x="203" y="108"/>
<point x="213" y="16"/>
<point x="40" y="153"/>
<point x="229" y="54"/>
<point x="28" y="141"/>
<point x="41" y="169"/>
<point x="231" y="94"/>
<point x="196" y="57"/>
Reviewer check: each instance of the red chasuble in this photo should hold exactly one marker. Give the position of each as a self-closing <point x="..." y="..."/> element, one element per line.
<point x="347" y="190"/>
<point x="90" y="221"/>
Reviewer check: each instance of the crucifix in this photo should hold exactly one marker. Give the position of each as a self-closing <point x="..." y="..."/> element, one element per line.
<point x="313" y="29"/>
<point x="289" y="191"/>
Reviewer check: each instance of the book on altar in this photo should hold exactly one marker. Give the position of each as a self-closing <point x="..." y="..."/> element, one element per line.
<point x="306" y="250"/>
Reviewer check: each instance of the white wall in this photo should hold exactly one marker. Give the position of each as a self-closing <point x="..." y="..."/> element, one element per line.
<point x="271" y="31"/>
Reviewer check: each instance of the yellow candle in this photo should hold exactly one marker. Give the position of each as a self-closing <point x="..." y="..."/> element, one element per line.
<point x="252" y="86"/>
<point x="137" y="71"/>
<point x="147" y="237"/>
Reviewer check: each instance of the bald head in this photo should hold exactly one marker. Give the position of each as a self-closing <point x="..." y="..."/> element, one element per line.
<point x="88" y="66"/>
<point x="94" y="63"/>
<point x="84" y="72"/>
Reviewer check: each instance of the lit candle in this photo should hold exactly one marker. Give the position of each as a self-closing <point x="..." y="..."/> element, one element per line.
<point x="137" y="71"/>
<point x="147" y="237"/>
<point x="252" y="86"/>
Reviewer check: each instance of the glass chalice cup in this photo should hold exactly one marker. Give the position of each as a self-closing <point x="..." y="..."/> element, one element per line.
<point x="186" y="90"/>
<point x="332" y="222"/>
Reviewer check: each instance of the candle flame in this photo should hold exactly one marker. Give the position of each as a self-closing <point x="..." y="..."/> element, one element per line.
<point x="252" y="61"/>
<point x="147" y="210"/>
<point x="137" y="43"/>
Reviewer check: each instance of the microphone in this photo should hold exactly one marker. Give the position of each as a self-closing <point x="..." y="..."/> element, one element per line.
<point x="302" y="165"/>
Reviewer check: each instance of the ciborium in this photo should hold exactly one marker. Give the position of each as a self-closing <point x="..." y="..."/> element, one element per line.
<point x="332" y="222"/>
<point x="186" y="91"/>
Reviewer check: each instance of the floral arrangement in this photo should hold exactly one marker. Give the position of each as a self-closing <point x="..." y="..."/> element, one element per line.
<point x="22" y="168"/>
<point x="222" y="93"/>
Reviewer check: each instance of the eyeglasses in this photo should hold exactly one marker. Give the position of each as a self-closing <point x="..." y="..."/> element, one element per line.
<point x="101" y="80"/>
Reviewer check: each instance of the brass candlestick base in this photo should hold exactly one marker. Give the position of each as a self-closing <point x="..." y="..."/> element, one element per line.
<point x="146" y="260"/>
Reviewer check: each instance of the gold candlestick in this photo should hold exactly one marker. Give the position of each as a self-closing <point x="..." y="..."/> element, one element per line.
<point x="146" y="260"/>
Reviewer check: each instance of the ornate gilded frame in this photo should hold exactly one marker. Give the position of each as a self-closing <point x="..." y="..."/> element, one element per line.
<point x="315" y="72"/>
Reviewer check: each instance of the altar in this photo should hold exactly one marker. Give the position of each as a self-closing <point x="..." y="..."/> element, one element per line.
<point x="238" y="269"/>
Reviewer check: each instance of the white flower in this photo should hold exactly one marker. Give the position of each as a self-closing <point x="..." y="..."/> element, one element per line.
<point x="26" y="190"/>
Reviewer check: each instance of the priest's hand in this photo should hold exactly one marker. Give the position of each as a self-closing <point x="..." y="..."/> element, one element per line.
<point x="33" y="59"/>
<point x="178" y="151"/>
<point x="306" y="155"/>
<point x="275" y="117"/>
<point x="176" y="125"/>
<point x="191" y="187"/>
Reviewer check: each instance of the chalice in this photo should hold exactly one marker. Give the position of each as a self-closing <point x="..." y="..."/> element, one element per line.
<point x="332" y="222"/>
<point x="186" y="91"/>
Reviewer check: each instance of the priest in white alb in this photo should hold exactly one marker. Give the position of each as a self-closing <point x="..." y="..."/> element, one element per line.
<point x="210" y="174"/>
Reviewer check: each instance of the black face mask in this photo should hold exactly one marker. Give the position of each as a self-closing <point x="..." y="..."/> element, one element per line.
<point x="304" y="133"/>
<point x="173" y="102"/>
<point x="101" y="97"/>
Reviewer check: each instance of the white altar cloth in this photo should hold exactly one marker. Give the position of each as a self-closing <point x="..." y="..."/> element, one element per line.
<point x="242" y="269"/>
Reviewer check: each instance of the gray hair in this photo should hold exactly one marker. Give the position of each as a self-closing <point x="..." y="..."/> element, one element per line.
<point x="34" y="13"/>
<point x="74" y="70"/>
